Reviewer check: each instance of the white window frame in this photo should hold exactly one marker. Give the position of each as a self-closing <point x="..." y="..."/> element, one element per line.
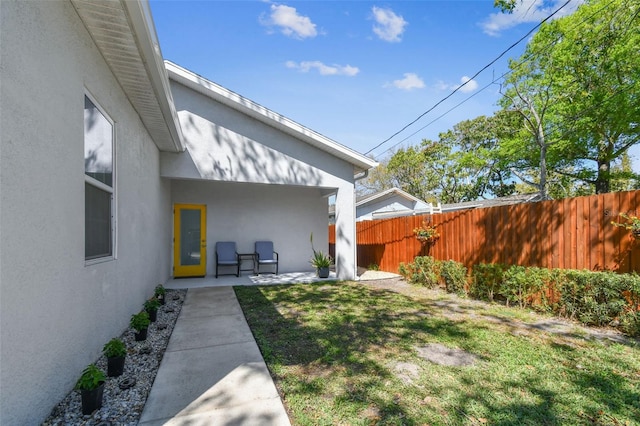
<point x="104" y="187"/>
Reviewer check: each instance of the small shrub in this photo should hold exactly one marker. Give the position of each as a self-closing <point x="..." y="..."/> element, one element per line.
<point x="373" y="267"/>
<point x="140" y="321"/>
<point x="91" y="378"/>
<point x="454" y="275"/>
<point x="594" y="298"/>
<point x="630" y="323"/>
<point x="152" y="304"/>
<point x="524" y="286"/>
<point x="422" y="271"/>
<point x="486" y="280"/>
<point x="114" y="348"/>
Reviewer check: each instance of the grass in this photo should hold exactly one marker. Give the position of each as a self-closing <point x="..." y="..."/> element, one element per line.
<point x="346" y="353"/>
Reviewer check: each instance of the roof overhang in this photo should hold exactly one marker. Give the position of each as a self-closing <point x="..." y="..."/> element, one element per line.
<point x="125" y="35"/>
<point x="271" y="118"/>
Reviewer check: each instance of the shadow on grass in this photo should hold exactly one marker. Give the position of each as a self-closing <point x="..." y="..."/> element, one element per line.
<point x="332" y="347"/>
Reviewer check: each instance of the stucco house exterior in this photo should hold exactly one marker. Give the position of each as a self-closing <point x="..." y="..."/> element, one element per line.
<point x="106" y="153"/>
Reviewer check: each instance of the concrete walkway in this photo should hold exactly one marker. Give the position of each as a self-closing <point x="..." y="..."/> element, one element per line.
<point x="212" y="372"/>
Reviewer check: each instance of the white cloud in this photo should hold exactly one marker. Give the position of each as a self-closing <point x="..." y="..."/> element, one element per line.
<point x="409" y="82"/>
<point x="306" y="66"/>
<point x="388" y="26"/>
<point x="527" y="11"/>
<point x="470" y="86"/>
<point x="290" y="22"/>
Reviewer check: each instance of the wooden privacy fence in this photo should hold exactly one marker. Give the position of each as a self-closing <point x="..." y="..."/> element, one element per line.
<point x="573" y="233"/>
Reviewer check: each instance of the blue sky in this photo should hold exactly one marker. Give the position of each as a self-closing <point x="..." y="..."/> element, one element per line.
<point x="355" y="71"/>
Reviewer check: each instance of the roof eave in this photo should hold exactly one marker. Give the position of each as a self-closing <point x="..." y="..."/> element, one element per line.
<point x="141" y="76"/>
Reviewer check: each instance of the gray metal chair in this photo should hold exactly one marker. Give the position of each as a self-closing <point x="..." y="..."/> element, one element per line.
<point x="227" y="255"/>
<point x="264" y="255"/>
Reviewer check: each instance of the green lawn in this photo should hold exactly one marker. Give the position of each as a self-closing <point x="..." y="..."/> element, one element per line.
<point x="346" y="353"/>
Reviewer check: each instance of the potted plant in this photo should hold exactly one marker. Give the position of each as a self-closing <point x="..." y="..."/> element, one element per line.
<point x="426" y="234"/>
<point x="321" y="262"/>
<point x="632" y="224"/>
<point x="151" y="306"/>
<point x="91" y="387"/>
<point x="160" y="293"/>
<point x="140" y="323"/>
<point x="115" y="351"/>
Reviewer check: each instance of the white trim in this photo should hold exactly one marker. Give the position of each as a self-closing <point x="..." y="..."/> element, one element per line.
<point x="149" y="48"/>
<point x="102" y="186"/>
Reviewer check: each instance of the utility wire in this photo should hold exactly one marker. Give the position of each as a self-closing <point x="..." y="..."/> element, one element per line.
<point x="494" y="81"/>
<point x="504" y="52"/>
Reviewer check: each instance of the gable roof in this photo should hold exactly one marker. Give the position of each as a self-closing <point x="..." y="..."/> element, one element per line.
<point x="125" y="35"/>
<point x="369" y="198"/>
<point x="271" y="118"/>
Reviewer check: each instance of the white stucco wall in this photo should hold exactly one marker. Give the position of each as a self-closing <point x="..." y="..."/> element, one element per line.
<point x="56" y="313"/>
<point x="246" y="213"/>
<point x="225" y="145"/>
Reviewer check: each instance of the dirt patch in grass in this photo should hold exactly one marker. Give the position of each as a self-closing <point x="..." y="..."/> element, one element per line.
<point x="443" y="355"/>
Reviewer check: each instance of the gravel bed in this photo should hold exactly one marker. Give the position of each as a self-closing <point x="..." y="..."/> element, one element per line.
<point x="124" y="406"/>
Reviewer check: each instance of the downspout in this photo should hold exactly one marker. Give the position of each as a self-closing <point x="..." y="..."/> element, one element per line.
<point x="361" y="175"/>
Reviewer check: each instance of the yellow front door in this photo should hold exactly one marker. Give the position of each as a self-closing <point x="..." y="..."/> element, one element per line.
<point x="189" y="240"/>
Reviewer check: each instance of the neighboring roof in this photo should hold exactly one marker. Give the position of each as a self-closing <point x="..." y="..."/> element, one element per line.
<point x="493" y="202"/>
<point x="267" y="116"/>
<point x="125" y="35"/>
<point x="366" y="199"/>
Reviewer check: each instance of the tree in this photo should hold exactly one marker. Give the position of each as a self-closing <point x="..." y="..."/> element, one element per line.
<point x="576" y="87"/>
<point x="595" y="62"/>
<point x="463" y="165"/>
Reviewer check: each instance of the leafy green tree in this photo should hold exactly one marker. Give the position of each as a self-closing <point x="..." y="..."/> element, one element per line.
<point x="595" y="62"/>
<point x="576" y="88"/>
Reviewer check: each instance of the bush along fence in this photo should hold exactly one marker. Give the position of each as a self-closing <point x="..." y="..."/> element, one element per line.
<point x="573" y="233"/>
<point x="600" y="298"/>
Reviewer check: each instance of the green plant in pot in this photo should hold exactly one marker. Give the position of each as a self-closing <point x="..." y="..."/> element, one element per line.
<point x="91" y="387"/>
<point x="321" y="261"/>
<point x="160" y="293"/>
<point x="151" y="306"/>
<point x="115" y="351"/>
<point x="140" y="323"/>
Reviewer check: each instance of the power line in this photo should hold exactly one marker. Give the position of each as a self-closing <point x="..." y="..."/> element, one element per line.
<point x="518" y="65"/>
<point x="474" y="76"/>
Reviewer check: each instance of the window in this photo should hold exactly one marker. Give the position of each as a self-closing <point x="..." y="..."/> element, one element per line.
<point x="99" y="231"/>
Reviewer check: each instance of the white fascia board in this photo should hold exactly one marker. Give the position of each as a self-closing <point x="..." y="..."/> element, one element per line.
<point x="145" y="33"/>
<point x="271" y="118"/>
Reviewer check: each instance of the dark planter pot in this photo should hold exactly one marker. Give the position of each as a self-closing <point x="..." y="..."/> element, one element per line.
<point x="141" y="335"/>
<point x="115" y="366"/>
<point x="92" y="399"/>
<point x="153" y="315"/>
<point x="323" y="272"/>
